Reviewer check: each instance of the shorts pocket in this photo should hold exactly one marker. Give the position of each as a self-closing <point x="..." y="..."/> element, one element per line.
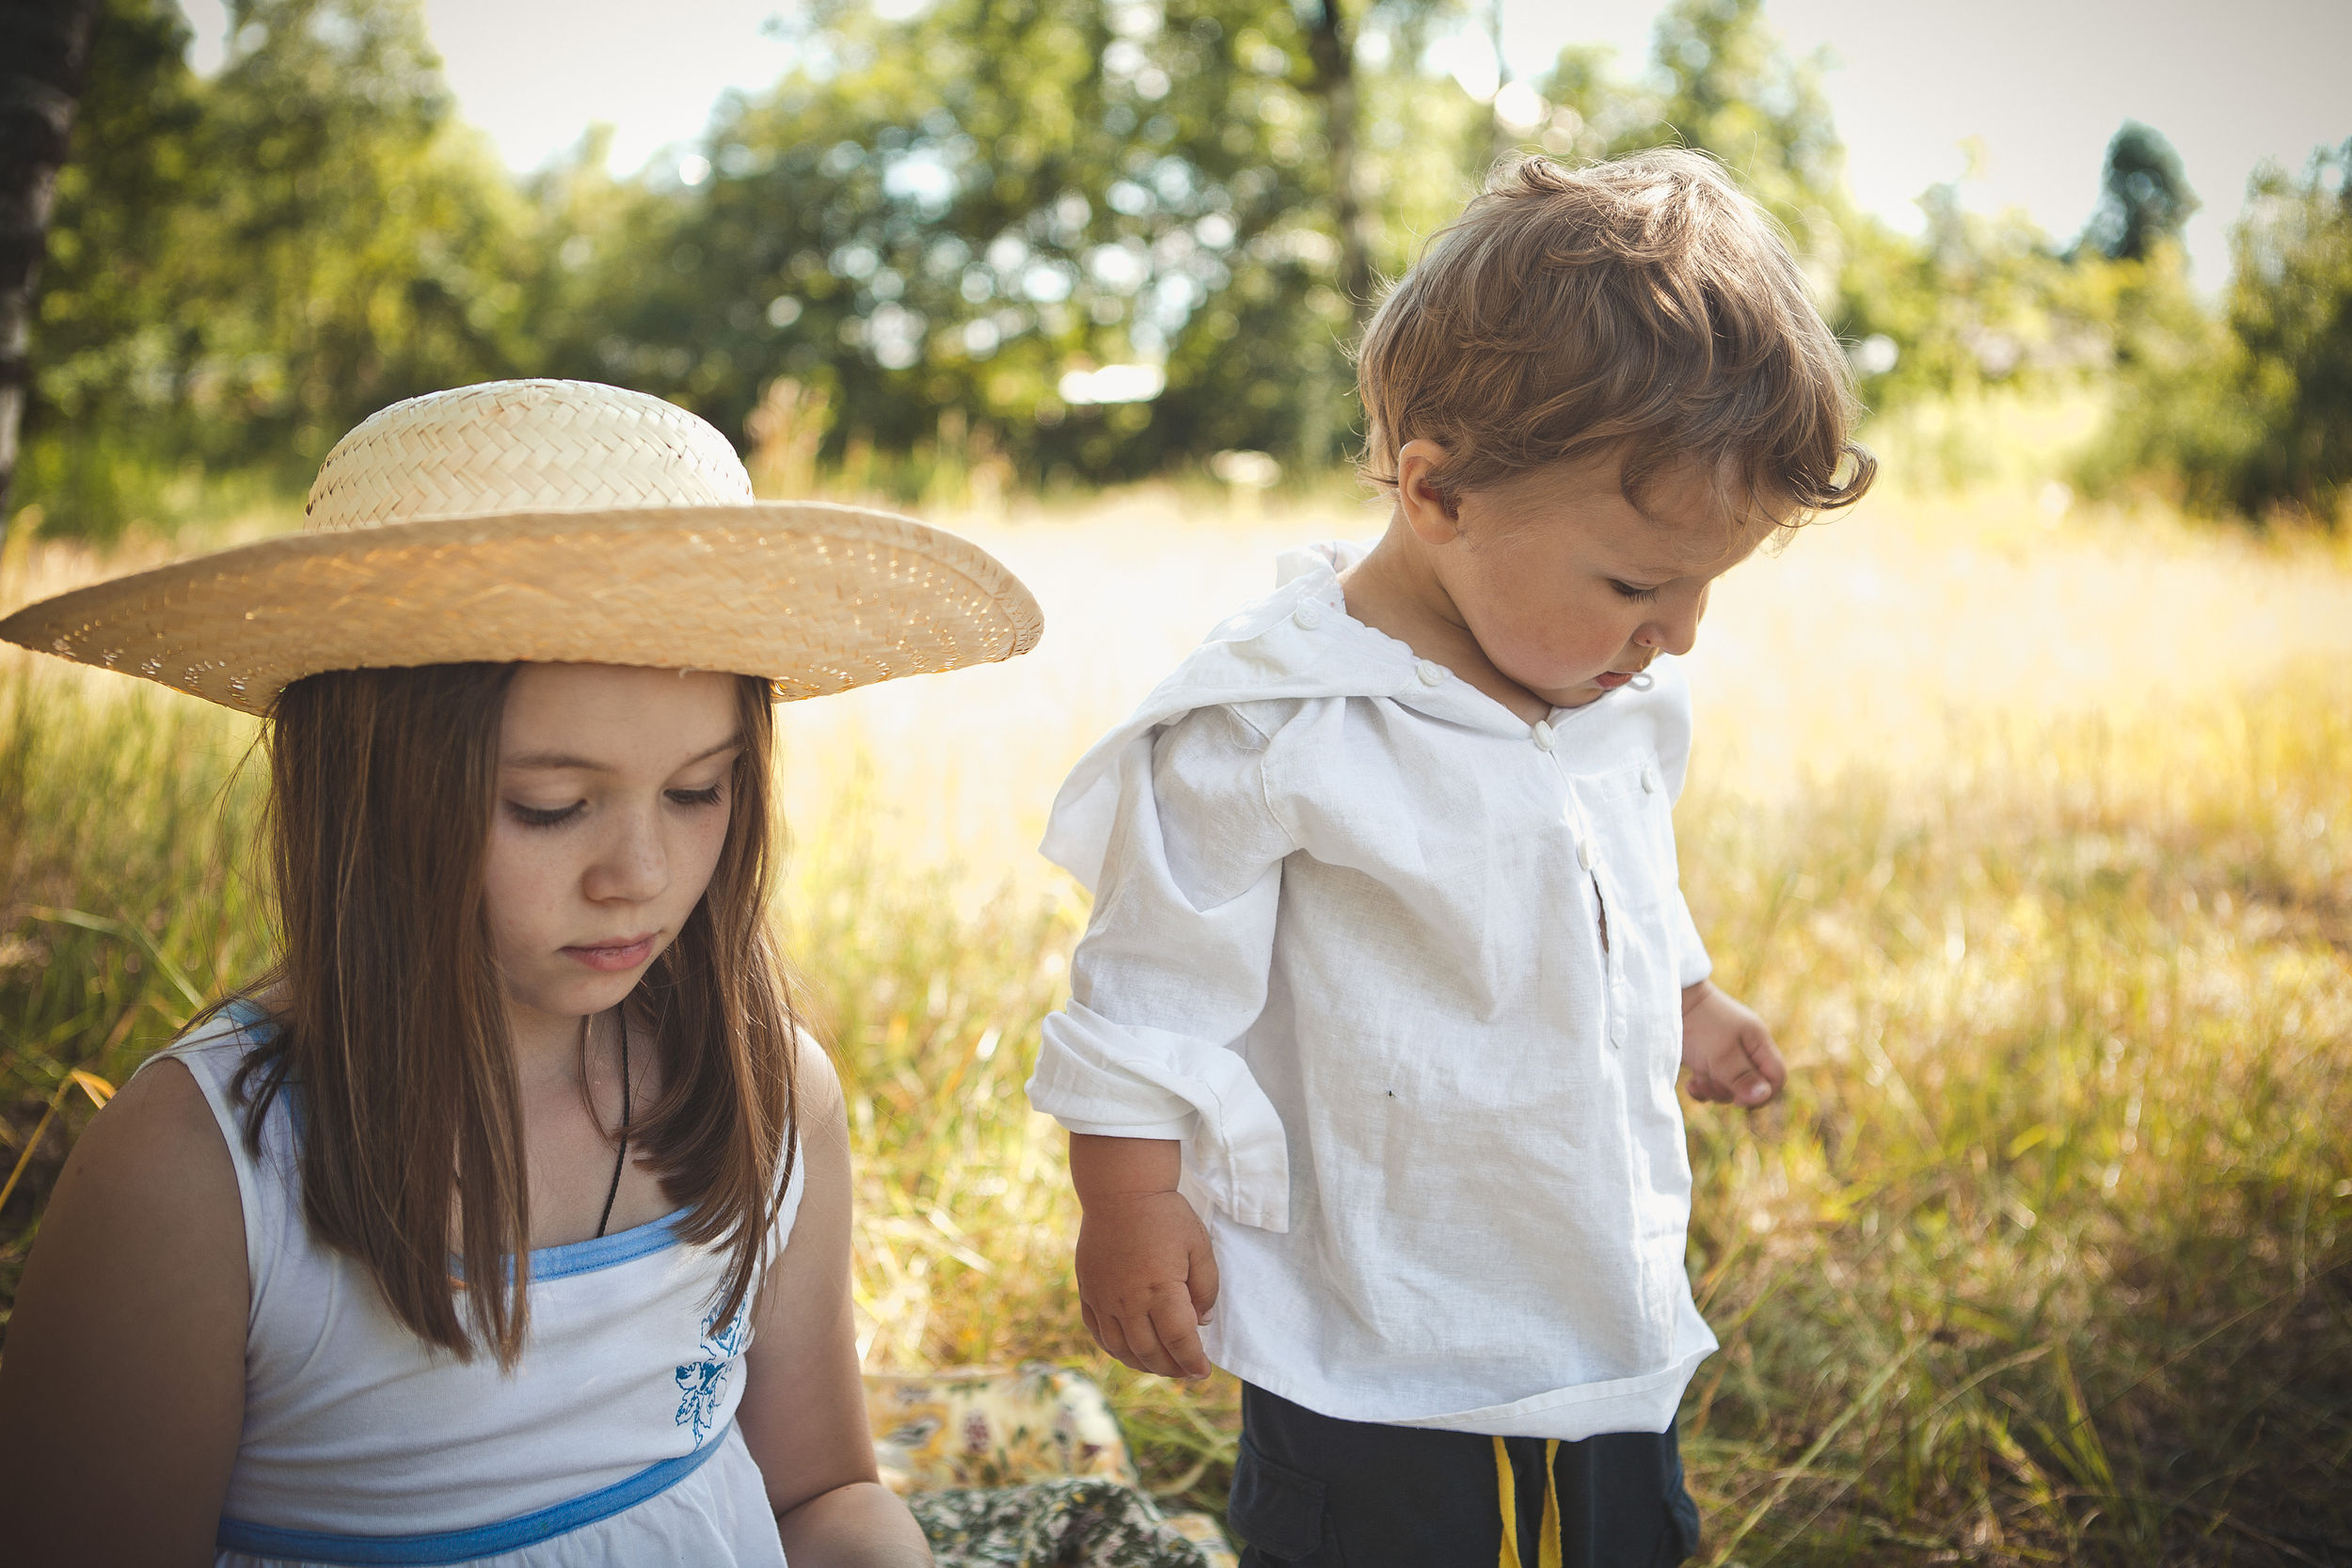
<point x="1278" y="1511"/>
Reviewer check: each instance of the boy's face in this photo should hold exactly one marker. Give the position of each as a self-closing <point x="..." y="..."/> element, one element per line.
<point x="1568" y="587"/>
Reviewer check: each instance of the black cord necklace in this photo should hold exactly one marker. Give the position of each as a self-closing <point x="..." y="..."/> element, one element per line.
<point x="620" y="1160"/>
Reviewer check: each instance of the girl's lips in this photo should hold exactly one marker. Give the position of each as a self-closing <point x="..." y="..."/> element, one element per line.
<point x="614" y="957"/>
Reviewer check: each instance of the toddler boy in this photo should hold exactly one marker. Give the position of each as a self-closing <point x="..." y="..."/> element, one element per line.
<point x="1374" y="1035"/>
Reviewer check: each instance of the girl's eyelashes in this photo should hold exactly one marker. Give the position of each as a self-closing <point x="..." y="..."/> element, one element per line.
<point x="540" y="817"/>
<point x="555" y="817"/>
<point x="1628" y="590"/>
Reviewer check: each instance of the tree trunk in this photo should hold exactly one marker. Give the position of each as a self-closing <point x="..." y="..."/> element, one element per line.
<point x="1332" y="49"/>
<point x="46" y="45"/>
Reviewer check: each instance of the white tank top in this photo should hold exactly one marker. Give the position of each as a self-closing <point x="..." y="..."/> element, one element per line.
<point x="612" y="1441"/>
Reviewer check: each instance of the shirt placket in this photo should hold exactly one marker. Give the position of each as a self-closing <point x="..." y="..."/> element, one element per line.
<point x="1618" y="995"/>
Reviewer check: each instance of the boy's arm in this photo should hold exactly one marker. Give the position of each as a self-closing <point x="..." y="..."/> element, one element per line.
<point x="1729" y="1051"/>
<point x="1145" y="1275"/>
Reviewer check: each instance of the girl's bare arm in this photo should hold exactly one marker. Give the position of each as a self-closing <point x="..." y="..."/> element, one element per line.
<point x="803" y="1410"/>
<point x="122" y="1388"/>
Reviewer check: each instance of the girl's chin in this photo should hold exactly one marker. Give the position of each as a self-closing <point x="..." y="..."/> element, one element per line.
<point x="576" y="995"/>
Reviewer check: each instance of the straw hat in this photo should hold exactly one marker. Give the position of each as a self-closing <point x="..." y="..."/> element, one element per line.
<point x="557" y="521"/>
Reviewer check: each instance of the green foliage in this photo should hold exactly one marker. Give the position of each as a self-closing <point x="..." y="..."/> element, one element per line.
<point x="1978" y="303"/>
<point x="950" y="213"/>
<point x="2250" y="413"/>
<point x="2144" y="198"/>
<point x="2291" y="309"/>
<point x="240" y="269"/>
<point x="937" y="228"/>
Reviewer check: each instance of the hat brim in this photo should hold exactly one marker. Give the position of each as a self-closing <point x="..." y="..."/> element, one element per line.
<point x="815" y="597"/>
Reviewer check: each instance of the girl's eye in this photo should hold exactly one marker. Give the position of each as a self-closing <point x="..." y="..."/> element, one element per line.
<point x="1627" y="590"/>
<point x="538" y="816"/>
<point x="695" y="796"/>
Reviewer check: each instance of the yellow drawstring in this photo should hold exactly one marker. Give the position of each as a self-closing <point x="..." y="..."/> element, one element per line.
<point x="1506" y="1487"/>
<point x="1548" y="1549"/>
<point x="1509" y="1489"/>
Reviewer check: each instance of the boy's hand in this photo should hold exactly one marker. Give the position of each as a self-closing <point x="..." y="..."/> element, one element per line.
<point x="1145" y="1275"/>
<point x="1729" y="1051"/>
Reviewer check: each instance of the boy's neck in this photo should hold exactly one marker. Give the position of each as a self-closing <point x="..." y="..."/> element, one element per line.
<point x="1395" y="590"/>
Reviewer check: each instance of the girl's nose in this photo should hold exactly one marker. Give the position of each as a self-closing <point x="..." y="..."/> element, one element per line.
<point x="634" y="867"/>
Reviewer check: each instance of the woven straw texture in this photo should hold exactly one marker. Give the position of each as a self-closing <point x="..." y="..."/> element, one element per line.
<point x="578" y="526"/>
<point x="523" y="446"/>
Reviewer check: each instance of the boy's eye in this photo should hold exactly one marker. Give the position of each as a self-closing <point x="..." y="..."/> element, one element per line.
<point x="1628" y="590"/>
<point x="545" y="817"/>
<point x="695" y="796"/>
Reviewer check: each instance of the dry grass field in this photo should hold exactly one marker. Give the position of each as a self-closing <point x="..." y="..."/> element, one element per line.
<point x="2025" y="824"/>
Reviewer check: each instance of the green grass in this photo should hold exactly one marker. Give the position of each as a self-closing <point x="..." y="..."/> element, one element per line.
<point x="2045" y="1258"/>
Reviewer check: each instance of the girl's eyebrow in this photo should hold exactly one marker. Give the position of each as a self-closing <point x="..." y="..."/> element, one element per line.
<point x="555" y="760"/>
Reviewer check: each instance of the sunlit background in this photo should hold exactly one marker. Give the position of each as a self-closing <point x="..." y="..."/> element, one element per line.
<point x="2018" y="800"/>
<point x="2015" y="97"/>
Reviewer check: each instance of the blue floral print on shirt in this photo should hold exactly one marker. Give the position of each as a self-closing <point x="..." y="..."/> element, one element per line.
<point x="701" y="1383"/>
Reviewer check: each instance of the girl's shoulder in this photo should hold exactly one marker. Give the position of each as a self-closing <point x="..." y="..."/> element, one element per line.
<point x="158" y="1148"/>
<point x="232" y="1028"/>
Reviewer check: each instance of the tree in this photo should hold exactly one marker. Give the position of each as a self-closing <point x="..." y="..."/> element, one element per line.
<point x="242" y="269"/>
<point x="960" y="217"/>
<point x="2291" y="311"/>
<point x="2250" y="413"/>
<point x="47" y="43"/>
<point x="2144" y="198"/>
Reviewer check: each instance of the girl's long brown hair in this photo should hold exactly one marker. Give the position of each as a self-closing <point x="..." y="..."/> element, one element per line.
<point x="392" y="1021"/>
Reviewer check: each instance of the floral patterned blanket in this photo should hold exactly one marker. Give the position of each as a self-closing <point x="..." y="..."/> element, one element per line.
<point x="1025" y="1469"/>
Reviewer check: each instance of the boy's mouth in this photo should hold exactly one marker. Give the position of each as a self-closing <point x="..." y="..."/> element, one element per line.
<point x="612" y="957"/>
<point x="1609" y="680"/>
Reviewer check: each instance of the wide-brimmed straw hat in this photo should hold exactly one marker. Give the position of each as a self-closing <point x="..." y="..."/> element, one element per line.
<point x="555" y="521"/>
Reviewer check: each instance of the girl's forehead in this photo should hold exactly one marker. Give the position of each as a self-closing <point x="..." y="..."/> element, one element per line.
<point x="609" y="714"/>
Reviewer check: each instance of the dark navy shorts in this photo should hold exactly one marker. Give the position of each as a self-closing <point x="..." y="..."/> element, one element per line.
<point x="1310" y="1491"/>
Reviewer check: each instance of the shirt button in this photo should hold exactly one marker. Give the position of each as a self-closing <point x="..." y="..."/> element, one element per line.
<point x="1585" y="853"/>
<point x="1307" y="616"/>
<point x="1430" y="671"/>
<point x="1650" y="778"/>
<point x="1544" y="738"/>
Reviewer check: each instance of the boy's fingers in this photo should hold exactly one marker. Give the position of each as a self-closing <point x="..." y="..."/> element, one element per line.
<point x="1760" y="1072"/>
<point x="1180" y="1340"/>
<point x="1112" y="1336"/>
<point x="1147" y="1335"/>
<point x="1202" y="1281"/>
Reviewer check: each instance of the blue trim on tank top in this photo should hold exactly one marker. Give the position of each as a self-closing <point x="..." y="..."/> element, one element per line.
<point x="463" y="1545"/>
<point x="603" y="1252"/>
<point x="546" y="1262"/>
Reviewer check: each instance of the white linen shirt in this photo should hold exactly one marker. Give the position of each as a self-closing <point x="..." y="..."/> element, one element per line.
<point x="1348" y="946"/>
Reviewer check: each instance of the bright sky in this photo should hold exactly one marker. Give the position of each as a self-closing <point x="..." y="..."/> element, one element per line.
<point x="2037" y="86"/>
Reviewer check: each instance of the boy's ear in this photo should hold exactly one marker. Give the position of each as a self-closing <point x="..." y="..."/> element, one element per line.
<point x="1427" y="509"/>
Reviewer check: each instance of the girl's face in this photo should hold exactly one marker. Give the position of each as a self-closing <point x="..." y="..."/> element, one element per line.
<point x="614" y="789"/>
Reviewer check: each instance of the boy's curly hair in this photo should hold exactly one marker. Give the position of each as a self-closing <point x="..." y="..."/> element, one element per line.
<point x="1644" y="307"/>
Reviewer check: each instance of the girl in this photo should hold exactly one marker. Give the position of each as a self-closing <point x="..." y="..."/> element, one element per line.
<point x="508" y="1219"/>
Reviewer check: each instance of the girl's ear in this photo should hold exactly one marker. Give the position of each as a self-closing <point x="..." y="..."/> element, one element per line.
<point x="1427" y="509"/>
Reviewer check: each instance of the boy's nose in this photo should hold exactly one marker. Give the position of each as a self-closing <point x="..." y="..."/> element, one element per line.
<point x="1676" y="627"/>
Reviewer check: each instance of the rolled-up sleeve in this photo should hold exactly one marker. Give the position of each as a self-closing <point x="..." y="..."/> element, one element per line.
<point x="1172" y="970"/>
